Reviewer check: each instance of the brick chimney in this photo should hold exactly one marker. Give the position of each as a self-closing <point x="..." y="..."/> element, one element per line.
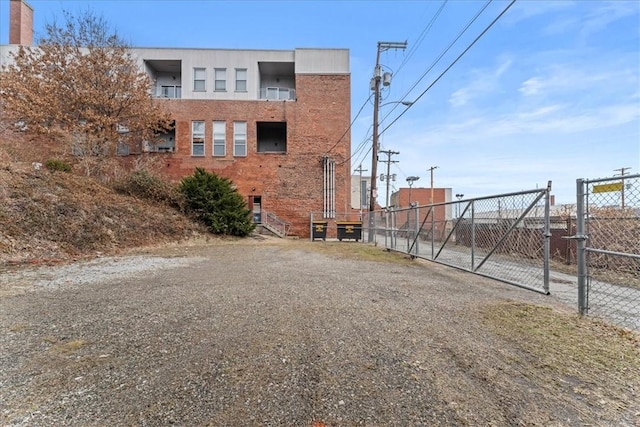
<point x="20" y="23"/>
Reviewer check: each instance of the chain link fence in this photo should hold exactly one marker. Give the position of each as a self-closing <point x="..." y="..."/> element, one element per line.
<point x="504" y="237"/>
<point x="608" y="234"/>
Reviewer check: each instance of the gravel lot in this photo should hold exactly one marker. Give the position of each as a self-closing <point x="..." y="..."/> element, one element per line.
<point x="269" y="333"/>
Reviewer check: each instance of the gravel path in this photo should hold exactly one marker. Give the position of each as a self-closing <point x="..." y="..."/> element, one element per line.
<point x="260" y="333"/>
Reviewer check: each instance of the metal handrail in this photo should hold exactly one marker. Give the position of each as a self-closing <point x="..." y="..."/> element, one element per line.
<point x="279" y="226"/>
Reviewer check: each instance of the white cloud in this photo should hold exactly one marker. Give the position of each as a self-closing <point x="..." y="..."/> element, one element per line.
<point x="503" y="67"/>
<point x="544" y="122"/>
<point x="559" y="79"/>
<point x="601" y="17"/>
<point x="561" y="26"/>
<point x="532" y="86"/>
<point x="529" y="9"/>
<point x="540" y="112"/>
<point x="485" y="81"/>
<point x="570" y="17"/>
<point x="460" y="97"/>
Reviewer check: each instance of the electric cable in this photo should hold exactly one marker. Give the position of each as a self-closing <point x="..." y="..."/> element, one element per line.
<point x="451" y="65"/>
<point x="421" y="37"/>
<point x="435" y="62"/>
<point x="350" y="126"/>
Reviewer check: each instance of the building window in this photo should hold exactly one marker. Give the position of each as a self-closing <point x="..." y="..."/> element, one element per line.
<point x="197" y="138"/>
<point x="241" y="79"/>
<point x="239" y="138"/>
<point x="219" y="138"/>
<point x="199" y="79"/>
<point x="221" y="79"/>
<point x="271" y="137"/>
<point x="171" y="92"/>
<point x="276" y="93"/>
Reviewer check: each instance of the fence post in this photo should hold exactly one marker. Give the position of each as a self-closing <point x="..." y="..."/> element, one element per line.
<point x="473" y="235"/>
<point x="417" y="233"/>
<point x="394" y="227"/>
<point x="547" y="237"/>
<point x="372" y="225"/>
<point x="581" y="245"/>
<point x="386" y="227"/>
<point x="433" y="233"/>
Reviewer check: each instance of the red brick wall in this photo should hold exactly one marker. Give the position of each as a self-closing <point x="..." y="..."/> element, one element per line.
<point x="421" y="195"/>
<point x="291" y="183"/>
<point x="20" y="23"/>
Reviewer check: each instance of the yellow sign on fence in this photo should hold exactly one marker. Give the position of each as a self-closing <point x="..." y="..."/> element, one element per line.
<point x="606" y="188"/>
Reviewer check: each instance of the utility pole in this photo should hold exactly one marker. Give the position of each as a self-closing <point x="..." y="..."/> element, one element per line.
<point x="360" y="198"/>
<point x="431" y="169"/>
<point x="622" y="174"/>
<point x="389" y="153"/>
<point x="375" y="86"/>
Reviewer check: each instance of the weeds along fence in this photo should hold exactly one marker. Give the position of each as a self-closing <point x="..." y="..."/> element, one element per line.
<point x="504" y="237"/>
<point x="608" y="237"/>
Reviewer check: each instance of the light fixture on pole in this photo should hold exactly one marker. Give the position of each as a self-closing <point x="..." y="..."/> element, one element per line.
<point x="405" y="103"/>
<point x="375" y="86"/>
<point x="410" y="181"/>
<point x="459" y="196"/>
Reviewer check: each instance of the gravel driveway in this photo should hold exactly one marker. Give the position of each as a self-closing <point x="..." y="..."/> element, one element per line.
<point x="263" y="333"/>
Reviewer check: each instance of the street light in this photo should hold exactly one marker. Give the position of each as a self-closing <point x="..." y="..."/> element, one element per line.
<point x="405" y="103"/>
<point x="459" y="196"/>
<point x="410" y="181"/>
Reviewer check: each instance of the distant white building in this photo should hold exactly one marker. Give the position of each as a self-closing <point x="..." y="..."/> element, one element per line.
<point x="360" y="191"/>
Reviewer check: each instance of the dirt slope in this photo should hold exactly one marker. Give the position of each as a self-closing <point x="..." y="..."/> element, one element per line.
<point x="51" y="216"/>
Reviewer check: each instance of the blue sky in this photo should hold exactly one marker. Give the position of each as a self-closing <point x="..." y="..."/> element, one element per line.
<point x="550" y="92"/>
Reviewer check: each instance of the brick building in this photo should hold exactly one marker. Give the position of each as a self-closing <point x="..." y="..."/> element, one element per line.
<point x="441" y="214"/>
<point x="421" y="196"/>
<point x="273" y="121"/>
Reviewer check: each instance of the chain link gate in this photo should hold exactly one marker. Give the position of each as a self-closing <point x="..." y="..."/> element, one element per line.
<point x="608" y="255"/>
<point x="504" y="237"/>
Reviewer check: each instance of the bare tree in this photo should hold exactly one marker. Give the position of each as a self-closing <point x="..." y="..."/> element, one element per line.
<point x="81" y="81"/>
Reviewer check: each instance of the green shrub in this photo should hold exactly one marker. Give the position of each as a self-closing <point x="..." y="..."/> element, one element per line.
<point x="57" y="165"/>
<point x="144" y="185"/>
<point x="214" y="202"/>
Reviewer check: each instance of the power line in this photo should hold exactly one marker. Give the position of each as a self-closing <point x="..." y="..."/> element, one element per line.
<point x="361" y="146"/>
<point x="349" y="128"/>
<point x="435" y="62"/>
<point x="452" y="64"/>
<point x="358" y="149"/>
<point x="422" y="35"/>
<point x="420" y="39"/>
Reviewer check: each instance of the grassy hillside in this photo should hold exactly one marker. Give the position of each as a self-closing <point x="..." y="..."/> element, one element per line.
<point x="48" y="216"/>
